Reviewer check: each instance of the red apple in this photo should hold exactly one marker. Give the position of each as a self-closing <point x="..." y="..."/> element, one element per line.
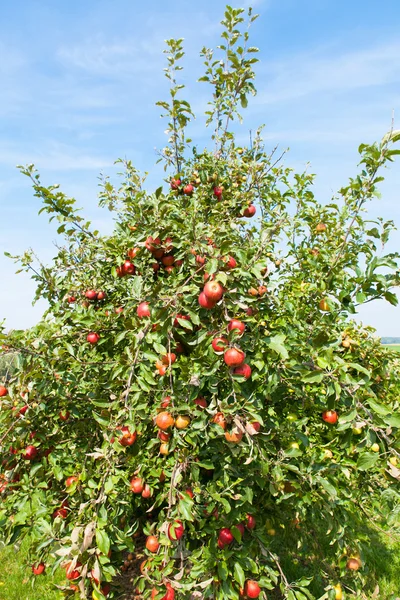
<point x="201" y="260"/>
<point x="128" y="438"/>
<point x="213" y="290"/>
<point x="30" y="453"/>
<point x="219" y="344"/>
<point x="132" y="252"/>
<point x="234" y="357"/>
<point x="169" y="358"/>
<point x="91" y="294"/>
<point x="72" y="573"/>
<point x="205" y="302"/>
<point x="60" y="512"/>
<point x="243" y="370"/>
<point x="237" y="325"/>
<point x="137" y="485"/>
<point x="143" y="310"/>
<point x="330" y="416"/>
<point x="93" y="337"/>
<point x="250" y="211"/>
<point x="71" y="299"/>
<point x="250" y="522"/>
<point x="101" y="295"/>
<point x="23" y="410"/>
<point x="128" y="267"/>
<point x="146" y="491"/>
<point x="218" y="192"/>
<point x="175" y="183"/>
<point x="230" y="262"/>
<point x="38" y="569"/>
<point x="201" y="402"/>
<point x="225" y="536"/>
<point x="175" y="530"/>
<point x="64" y="415"/>
<point x="168" y="261"/>
<point x="252" y="589"/>
<point x="70" y="480"/>
<point x="188" y="189"/>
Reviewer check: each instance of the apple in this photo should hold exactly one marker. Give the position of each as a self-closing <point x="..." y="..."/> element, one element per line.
<point x="38" y="569"/>
<point x="137" y="485"/>
<point x="202" y="402"/>
<point x="169" y="358"/>
<point x="70" y="480"/>
<point x="219" y="419"/>
<point x="320" y="228"/>
<point x="252" y="292"/>
<point x="375" y="447"/>
<point x="218" y="192"/>
<point x="92" y="337"/>
<point x="170" y="269"/>
<point x="64" y="415"/>
<point x="164" y="420"/>
<point x="156" y="266"/>
<point x="60" y="512"/>
<point x="252" y="589"/>
<point x="188" y="492"/>
<point x="132" y="252"/>
<point x="330" y="416"/>
<point x="152" y="543"/>
<point x="240" y="527"/>
<point x="178" y="263"/>
<point x="143" y="310"/>
<point x="338" y="591"/>
<point x="205" y="301"/>
<point x="72" y="573"/>
<point x="163" y="436"/>
<point x="179" y="348"/>
<point x="188" y="189"/>
<point x="128" y="267"/>
<point x="230" y="262"/>
<point x="236" y="325"/>
<point x="120" y="271"/>
<point x="175" y="183"/>
<point x="201" y="260"/>
<point x="262" y="290"/>
<point x="250" y="211"/>
<point x="164" y="449"/>
<point x="234" y="357"/>
<point x="23" y="410"/>
<point x="219" y="344"/>
<point x="30" y="453"/>
<point x="250" y="522"/>
<point x="213" y="290"/>
<point x="175" y="530"/>
<point x="71" y="299"/>
<point x="167" y="261"/>
<point x="225" y="536"/>
<point x="167" y="244"/>
<point x="3" y="391"/>
<point x="393" y="461"/>
<point x="91" y="295"/>
<point x="353" y="564"/>
<point x="250" y="312"/>
<point x="182" y="421"/>
<point x="128" y="438"/>
<point x="170" y="595"/>
<point x="234" y="437"/>
<point x="101" y="295"/>
<point x="166" y="402"/>
<point x="323" y="305"/>
<point x="119" y="310"/>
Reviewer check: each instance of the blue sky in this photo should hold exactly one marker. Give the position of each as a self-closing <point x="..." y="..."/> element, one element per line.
<point x="79" y="81"/>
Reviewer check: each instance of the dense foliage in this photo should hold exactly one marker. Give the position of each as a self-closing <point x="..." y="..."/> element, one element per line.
<point x="197" y="378"/>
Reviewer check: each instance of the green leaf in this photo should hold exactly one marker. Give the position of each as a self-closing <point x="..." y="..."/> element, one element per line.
<point x="276" y="344"/>
<point x="102" y="541"/>
<point x="313" y="377"/>
<point x="367" y="460"/>
<point x="378" y="408"/>
<point x="328" y="487"/>
<point x="238" y="574"/>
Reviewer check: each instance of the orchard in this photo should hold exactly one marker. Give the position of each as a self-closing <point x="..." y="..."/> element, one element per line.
<point x="198" y="390"/>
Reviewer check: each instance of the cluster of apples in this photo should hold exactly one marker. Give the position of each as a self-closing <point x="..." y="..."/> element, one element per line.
<point x="165" y="421"/>
<point x="127" y="267"/>
<point x="163" y="252"/>
<point x="234" y="357"/>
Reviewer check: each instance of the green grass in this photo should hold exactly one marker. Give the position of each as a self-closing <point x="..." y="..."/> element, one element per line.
<point x="395" y="347"/>
<point x="15" y="578"/>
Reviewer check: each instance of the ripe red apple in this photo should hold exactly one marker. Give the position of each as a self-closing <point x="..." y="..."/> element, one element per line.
<point x="132" y="252"/>
<point x="240" y="527"/>
<point x="237" y="325"/>
<point x="92" y="337"/>
<point x="167" y="244"/>
<point x="60" y="512"/>
<point x="166" y="402"/>
<point x="30" y="453"/>
<point x="252" y="589"/>
<point x="71" y="299"/>
<point x="64" y="415"/>
<point x="170" y="269"/>
<point x="201" y="402"/>
<point x="188" y="492"/>
<point x="151" y="244"/>
<point x="230" y="262"/>
<point x="137" y="485"/>
<point x="219" y="419"/>
<point x="70" y="480"/>
<point x="175" y="530"/>
<point x="120" y="271"/>
<point x="101" y="295"/>
<point x="23" y="410"/>
<point x="243" y="370"/>
<point x="175" y="183"/>
<point x="250" y="522"/>
<point x="72" y="573"/>
<point x="146" y="491"/>
<point x="156" y="266"/>
<point x="179" y="348"/>
<point x="188" y="189"/>
<point x="234" y="357"/>
<point x="219" y="344"/>
<point x="38" y="569"/>
<point x="91" y="294"/>
<point x="167" y="261"/>
<point x="128" y="268"/>
<point x="205" y="301"/>
<point x="201" y="260"/>
<point x="178" y="263"/>
<point x="152" y="543"/>
<point x="128" y="437"/>
<point x="250" y="211"/>
<point x="165" y="420"/>
<point x="218" y="192"/>
<point x="225" y="536"/>
<point x="213" y="290"/>
<point x="330" y="416"/>
<point x="169" y="358"/>
<point x="143" y="310"/>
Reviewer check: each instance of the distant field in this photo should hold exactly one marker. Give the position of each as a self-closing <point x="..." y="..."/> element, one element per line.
<point x="395" y="347"/>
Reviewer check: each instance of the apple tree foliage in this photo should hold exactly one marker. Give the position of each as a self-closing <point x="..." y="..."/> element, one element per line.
<point x="248" y="467"/>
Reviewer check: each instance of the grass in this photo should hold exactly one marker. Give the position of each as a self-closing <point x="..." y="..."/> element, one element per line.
<point x="381" y="571"/>
<point x="395" y="347"/>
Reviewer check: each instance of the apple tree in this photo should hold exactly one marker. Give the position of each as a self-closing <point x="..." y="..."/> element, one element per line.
<point x="197" y="390"/>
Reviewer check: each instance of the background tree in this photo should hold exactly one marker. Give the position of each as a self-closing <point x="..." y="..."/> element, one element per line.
<point x="196" y="385"/>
